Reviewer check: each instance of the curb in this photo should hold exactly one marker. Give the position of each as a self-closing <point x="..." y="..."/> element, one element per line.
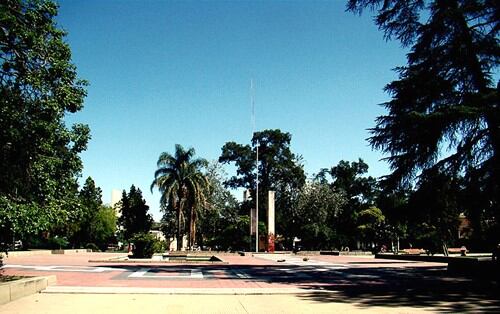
<point x="432" y="259"/>
<point x="127" y="260"/>
<point x="13" y="290"/>
<point x="179" y="291"/>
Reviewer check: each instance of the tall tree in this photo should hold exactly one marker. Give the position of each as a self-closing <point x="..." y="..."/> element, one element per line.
<point x="444" y="114"/>
<point x="279" y="170"/>
<point x="38" y="87"/>
<point x="315" y="220"/>
<point x="183" y="187"/>
<point x="90" y="198"/>
<point x="371" y="225"/>
<point x="349" y="179"/>
<point x="394" y="206"/>
<point x="134" y="218"/>
<point x="435" y="208"/>
<point x="103" y="227"/>
<point x="221" y="208"/>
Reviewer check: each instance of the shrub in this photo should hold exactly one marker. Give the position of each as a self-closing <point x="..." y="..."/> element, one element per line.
<point x="159" y="246"/>
<point x="57" y="243"/>
<point x="144" y="245"/>
<point x="92" y="247"/>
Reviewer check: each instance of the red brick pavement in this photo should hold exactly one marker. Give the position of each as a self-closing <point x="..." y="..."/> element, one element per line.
<point x="225" y="275"/>
<point x="370" y="262"/>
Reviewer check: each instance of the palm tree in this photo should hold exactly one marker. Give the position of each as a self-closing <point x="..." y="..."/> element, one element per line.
<point x="183" y="187"/>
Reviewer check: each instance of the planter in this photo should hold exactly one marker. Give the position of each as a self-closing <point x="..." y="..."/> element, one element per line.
<point x="15" y="289"/>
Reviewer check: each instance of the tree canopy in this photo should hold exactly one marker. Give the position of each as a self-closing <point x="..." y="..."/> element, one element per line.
<point x="183" y="187"/>
<point x="90" y="197"/>
<point x="315" y="220"/>
<point x="360" y="191"/>
<point x="280" y="170"/>
<point x="134" y="217"/>
<point x="38" y="86"/>
<point x="221" y="212"/>
<point x="103" y="227"/>
<point x="444" y="115"/>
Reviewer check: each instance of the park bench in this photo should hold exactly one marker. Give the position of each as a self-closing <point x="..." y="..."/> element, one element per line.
<point x="112" y="247"/>
<point x="412" y="251"/>
<point x="458" y="250"/>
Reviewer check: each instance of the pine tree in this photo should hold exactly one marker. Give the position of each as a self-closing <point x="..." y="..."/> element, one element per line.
<point x="444" y="115"/>
<point x="134" y="217"/>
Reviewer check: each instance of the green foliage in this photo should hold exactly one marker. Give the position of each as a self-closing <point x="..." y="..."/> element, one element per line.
<point x="57" y="243"/>
<point x="144" y="245"/>
<point x="159" y="246"/>
<point x="90" y="203"/>
<point x="435" y="210"/>
<point x="168" y="224"/>
<point x="315" y="221"/>
<point x="103" y="227"/>
<point x="394" y="205"/>
<point x="91" y="198"/>
<point x="183" y="189"/>
<point x="93" y="247"/>
<point x="221" y="208"/>
<point x="134" y="217"/>
<point x="235" y="235"/>
<point x="371" y="225"/>
<point x="39" y="154"/>
<point x="279" y="170"/>
<point x="359" y="190"/>
<point x="21" y="219"/>
<point x="427" y="237"/>
<point x="444" y="115"/>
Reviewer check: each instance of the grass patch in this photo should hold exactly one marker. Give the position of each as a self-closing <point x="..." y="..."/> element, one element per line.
<point x="7" y="278"/>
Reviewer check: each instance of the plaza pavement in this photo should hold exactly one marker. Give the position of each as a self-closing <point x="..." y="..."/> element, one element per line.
<point x="132" y="303"/>
<point x="248" y="284"/>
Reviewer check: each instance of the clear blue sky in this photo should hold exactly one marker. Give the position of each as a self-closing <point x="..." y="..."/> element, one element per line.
<point x="163" y="73"/>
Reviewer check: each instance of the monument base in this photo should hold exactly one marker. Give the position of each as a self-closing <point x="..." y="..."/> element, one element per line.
<point x="270" y="243"/>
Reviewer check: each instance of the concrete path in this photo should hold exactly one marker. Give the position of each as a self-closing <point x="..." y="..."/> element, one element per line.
<point x="234" y="304"/>
<point x="321" y="284"/>
<point x="247" y="272"/>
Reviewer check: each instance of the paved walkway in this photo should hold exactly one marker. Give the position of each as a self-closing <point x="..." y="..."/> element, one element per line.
<point x="325" y="282"/>
<point x="126" y="303"/>
<point x="261" y="272"/>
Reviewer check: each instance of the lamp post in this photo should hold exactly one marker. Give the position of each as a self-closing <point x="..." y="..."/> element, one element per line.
<point x="257" y="201"/>
<point x="252" y="100"/>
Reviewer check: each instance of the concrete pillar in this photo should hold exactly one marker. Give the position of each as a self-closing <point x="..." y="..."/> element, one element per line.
<point x="270" y="222"/>
<point x="253" y="223"/>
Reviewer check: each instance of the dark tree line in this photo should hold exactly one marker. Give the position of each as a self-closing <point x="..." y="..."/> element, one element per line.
<point x="441" y="135"/>
<point x="339" y="207"/>
<point x="39" y="153"/>
<point x="442" y="128"/>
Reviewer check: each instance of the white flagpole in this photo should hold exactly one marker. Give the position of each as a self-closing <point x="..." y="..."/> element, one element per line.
<point x="257" y="171"/>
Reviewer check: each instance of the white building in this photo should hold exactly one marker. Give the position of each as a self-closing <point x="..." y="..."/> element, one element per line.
<point x="116" y="196"/>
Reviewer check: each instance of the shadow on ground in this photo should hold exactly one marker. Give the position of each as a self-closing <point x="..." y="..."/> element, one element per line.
<point x="418" y="287"/>
<point x="439" y="297"/>
<point x="383" y="262"/>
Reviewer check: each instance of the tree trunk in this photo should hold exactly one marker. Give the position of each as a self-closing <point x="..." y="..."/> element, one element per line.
<point x="493" y="120"/>
<point x="193" y="227"/>
<point x="492" y="114"/>
<point x="191" y="231"/>
<point x="179" y="226"/>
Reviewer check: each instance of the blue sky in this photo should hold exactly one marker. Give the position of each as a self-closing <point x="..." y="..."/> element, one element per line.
<point x="164" y="72"/>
